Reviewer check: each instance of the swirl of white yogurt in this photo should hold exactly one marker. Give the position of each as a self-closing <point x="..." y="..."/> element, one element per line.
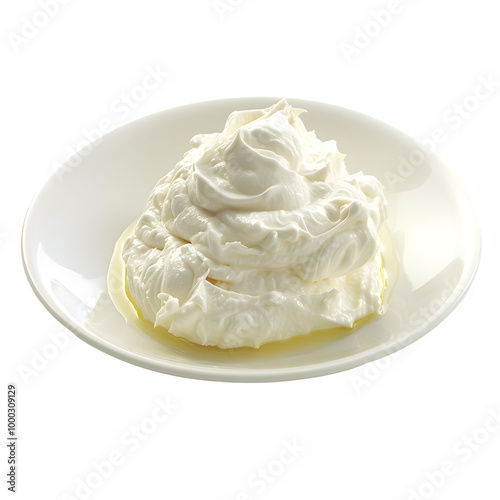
<point x="258" y="234"/>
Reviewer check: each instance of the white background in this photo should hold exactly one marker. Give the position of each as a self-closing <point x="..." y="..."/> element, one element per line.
<point x="375" y="432"/>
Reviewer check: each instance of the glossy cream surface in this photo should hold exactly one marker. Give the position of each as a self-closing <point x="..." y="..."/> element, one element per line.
<point x="258" y="234"/>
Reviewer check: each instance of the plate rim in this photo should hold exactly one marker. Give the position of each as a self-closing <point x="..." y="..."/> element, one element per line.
<point x="230" y="374"/>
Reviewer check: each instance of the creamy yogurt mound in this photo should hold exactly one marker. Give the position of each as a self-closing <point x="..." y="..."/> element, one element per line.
<point x="257" y="235"/>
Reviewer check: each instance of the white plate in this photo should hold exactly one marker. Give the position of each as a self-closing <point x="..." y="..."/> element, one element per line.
<point x="73" y="223"/>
